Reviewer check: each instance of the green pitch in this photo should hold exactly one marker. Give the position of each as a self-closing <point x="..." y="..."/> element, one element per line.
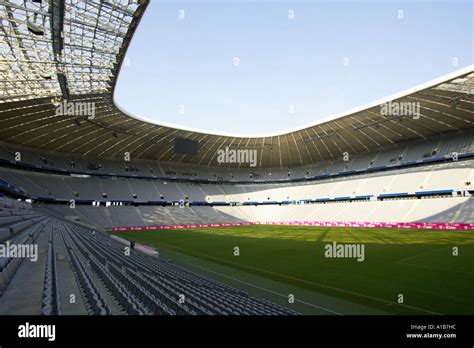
<point x="419" y="265"/>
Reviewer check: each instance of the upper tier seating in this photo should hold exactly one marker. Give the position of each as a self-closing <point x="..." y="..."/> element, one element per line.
<point x="456" y="176"/>
<point x="406" y="152"/>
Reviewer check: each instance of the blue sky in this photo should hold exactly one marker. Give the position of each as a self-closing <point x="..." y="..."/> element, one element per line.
<point x="291" y="72"/>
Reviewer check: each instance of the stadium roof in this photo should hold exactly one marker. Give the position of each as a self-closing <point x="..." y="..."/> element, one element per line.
<point x="55" y="51"/>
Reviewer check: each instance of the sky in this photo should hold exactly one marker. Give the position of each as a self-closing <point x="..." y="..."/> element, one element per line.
<point x="256" y="67"/>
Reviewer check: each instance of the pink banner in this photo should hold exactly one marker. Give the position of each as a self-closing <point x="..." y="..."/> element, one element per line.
<point x="408" y="225"/>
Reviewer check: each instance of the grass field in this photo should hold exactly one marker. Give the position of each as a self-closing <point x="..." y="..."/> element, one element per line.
<point x="418" y="264"/>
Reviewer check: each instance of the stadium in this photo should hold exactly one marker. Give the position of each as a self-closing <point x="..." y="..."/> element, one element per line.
<point x="106" y="213"/>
